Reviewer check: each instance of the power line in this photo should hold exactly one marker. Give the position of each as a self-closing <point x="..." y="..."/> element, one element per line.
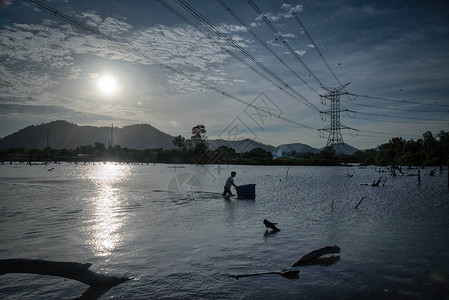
<point x="393" y="108"/>
<point x="284" y="41"/>
<point x="136" y="52"/>
<point x="389" y="121"/>
<point x="293" y="12"/>
<point x="389" y="116"/>
<point x="176" y="13"/>
<point x="229" y="10"/>
<point x="248" y="55"/>
<point x="399" y="101"/>
<point x="384" y="133"/>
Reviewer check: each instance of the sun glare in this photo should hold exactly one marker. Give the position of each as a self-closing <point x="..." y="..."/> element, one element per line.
<point x="107" y="84"/>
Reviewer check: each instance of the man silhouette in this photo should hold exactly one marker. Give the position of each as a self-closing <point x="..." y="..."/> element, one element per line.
<point x="229" y="182"/>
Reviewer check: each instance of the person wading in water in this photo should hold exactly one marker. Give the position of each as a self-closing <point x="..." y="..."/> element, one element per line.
<point x="229" y="182"/>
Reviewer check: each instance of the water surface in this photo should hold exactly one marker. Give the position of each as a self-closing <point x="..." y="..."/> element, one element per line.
<point x="169" y="229"/>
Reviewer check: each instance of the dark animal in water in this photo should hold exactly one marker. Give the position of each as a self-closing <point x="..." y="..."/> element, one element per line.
<point x="268" y="224"/>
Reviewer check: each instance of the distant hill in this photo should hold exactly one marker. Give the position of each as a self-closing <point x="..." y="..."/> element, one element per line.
<point x="240" y="146"/>
<point x="344" y="148"/>
<point x="65" y="135"/>
<point x="285" y="149"/>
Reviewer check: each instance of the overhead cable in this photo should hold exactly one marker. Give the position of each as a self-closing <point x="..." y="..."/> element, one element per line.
<point x="248" y="55"/>
<point x="399" y="101"/>
<point x="284" y="41"/>
<point x="315" y="46"/>
<point x="140" y="54"/>
<point x="230" y="52"/>
<point x="234" y="15"/>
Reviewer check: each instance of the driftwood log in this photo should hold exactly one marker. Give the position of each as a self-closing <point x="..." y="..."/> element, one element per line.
<point x="98" y="283"/>
<point x="290" y="274"/>
<point x="311" y="258"/>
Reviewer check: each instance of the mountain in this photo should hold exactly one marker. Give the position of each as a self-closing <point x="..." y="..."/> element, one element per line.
<point x="240" y="146"/>
<point x="142" y="136"/>
<point x="344" y="148"/>
<point x="282" y="150"/>
<point x="65" y="135"/>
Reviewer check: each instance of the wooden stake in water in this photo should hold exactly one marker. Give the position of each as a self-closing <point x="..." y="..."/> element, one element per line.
<point x="419" y="176"/>
<point x="359" y="202"/>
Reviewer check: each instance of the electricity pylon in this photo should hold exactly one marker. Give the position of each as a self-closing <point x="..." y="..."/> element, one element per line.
<point x="335" y="126"/>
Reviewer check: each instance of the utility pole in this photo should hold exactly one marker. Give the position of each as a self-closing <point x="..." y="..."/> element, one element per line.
<point x="335" y="126"/>
<point x="112" y="136"/>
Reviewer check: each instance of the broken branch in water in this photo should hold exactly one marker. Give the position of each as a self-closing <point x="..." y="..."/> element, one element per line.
<point x="375" y="183"/>
<point x="98" y="283"/>
<point x="311" y="257"/>
<point x="359" y="202"/>
<point x="286" y="173"/>
<point x="71" y="270"/>
<point x="290" y="274"/>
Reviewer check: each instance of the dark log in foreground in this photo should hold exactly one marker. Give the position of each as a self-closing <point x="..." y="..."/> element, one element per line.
<point x="323" y="261"/>
<point x="71" y="270"/>
<point x="310" y="257"/>
<point x="290" y="274"/>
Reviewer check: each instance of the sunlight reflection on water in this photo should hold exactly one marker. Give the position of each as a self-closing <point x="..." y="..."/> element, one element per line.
<point x="107" y="219"/>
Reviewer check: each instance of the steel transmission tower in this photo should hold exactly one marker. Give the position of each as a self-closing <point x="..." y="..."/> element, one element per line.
<point x="335" y="126"/>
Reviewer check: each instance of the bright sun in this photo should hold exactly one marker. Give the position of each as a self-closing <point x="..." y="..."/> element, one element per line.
<point x="107" y="84"/>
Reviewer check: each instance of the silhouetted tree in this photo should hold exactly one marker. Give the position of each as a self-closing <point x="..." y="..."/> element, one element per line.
<point x="180" y="142"/>
<point x="199" y="139"/>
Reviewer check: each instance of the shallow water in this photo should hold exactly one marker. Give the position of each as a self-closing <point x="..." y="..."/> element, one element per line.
<point x="170" y="230"/>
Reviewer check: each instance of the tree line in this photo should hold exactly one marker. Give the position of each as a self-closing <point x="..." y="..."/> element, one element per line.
<point x="429" y="151"/>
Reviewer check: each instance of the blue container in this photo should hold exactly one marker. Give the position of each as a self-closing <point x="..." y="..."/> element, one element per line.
<point x="246" y="191"/>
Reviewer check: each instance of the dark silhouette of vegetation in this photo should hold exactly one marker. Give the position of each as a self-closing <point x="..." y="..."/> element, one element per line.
<point x="428" y="151"/>
<point x="199" y="139"/>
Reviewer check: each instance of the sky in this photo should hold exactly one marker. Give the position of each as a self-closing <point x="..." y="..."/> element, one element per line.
<point x="258" y="69"/>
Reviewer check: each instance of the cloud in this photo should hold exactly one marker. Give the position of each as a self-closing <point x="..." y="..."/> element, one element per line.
<point x="281" y="15"/>
<point x="51" y="51"/>
<point x="289" y="35"/>
<point x="270" y="16"/>
<point x="174" y="123"/>
<point x="296" y="8"/>
<point x="109" y="26"/>
<point x="5" y="3"/>
<point x="300" y="52"/>
<point x="232" y="28"/>
<point x="183" y="47"/>
<point x="50" y="112"/>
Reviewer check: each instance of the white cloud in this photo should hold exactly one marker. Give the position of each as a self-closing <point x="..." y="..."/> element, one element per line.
<point x="270" y="16"/>
<point x="174" y="123"/>
<point x="91" y="18"/>
<point x="296" y="8"/>
<point x="231" y="28"/>
<point x="289" y="35"/>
